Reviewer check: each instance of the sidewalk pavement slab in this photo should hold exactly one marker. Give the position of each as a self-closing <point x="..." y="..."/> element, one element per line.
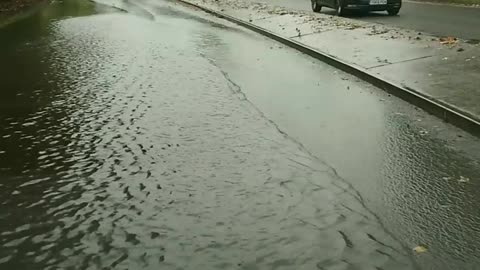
<point x="446" y="72"/>
<point x="366" y="51"/>
<point x="453" y="78"/>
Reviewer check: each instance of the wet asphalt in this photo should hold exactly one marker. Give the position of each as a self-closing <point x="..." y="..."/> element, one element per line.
<point x="169" y="139"/>
<point x="435" y="19"/>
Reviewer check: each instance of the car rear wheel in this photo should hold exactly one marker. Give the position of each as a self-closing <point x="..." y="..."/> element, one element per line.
<point x="339" y="9"/>
<point x="315" y="6"/>
<point x="393" y="12"/>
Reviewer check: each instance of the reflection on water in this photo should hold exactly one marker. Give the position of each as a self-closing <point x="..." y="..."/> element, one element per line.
<point x="25" y="51"/>
<point x="421" y="179"/>
<point x="37" y="136"/>
<point x="406" y="164"/>
<point x="122" y="147"/>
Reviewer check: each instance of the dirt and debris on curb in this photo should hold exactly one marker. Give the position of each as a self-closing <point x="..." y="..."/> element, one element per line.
<point x="434" y="67"/>
<point x="323" y="22"/>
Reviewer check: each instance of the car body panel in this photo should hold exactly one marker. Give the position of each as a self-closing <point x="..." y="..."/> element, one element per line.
<point x="363" y="5"/>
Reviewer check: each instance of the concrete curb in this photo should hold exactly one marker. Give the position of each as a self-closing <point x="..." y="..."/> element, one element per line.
<point x="446" y="112"/>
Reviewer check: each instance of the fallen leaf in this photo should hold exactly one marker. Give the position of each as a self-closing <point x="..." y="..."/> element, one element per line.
<point x="448" y="41"/>
<point x="420" y="249"/>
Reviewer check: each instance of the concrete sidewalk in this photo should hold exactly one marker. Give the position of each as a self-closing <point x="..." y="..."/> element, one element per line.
<point x="444" y="71"/>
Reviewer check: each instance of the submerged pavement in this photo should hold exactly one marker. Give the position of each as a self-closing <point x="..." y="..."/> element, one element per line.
<point x="172" y="139"/>
<point x="444" y="71"/>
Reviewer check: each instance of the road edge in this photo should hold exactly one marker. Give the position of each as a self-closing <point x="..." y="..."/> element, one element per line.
<point x="446" y="112"/>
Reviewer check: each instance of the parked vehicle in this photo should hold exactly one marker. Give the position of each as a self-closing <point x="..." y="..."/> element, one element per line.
<point x="340" y="6"/>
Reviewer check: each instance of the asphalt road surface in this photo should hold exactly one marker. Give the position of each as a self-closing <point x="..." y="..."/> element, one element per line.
<point x="440" y="20"/>
<point x="170" y="139"/>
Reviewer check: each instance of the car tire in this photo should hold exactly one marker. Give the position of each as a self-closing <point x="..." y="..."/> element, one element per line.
<point x="315" y="6"/>
<point x="393" y="12"/>
<point x="339" y="8"/>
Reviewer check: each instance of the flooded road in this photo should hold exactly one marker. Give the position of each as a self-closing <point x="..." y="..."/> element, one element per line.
<point x="164" y="138"/>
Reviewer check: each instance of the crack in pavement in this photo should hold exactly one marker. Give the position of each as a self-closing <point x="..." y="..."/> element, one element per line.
<point x="399" y="62"/>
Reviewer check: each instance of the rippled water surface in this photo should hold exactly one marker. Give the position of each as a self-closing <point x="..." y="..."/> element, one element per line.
<point x="125" y="145"/>
<point x="126" y="148"/>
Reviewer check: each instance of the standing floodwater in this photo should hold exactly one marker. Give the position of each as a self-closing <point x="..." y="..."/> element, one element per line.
<point x="125" y="145"/>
